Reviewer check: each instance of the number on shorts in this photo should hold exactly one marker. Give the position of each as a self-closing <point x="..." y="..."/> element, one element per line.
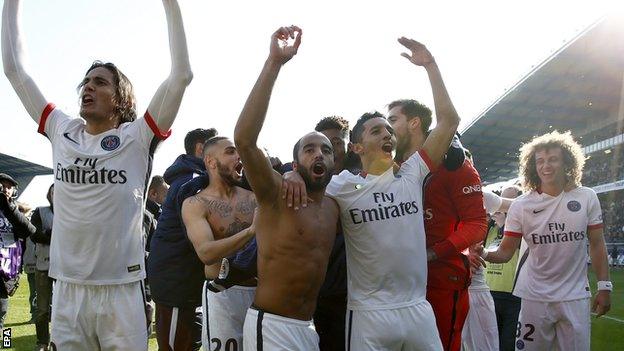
<point x="527" y="335"/>
<point x="230" y="344"/>
<point x="218" y="342"/>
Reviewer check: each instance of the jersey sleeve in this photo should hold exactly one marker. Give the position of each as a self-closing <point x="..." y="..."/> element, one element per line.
<point x="594" y="211"/>
<point x="491" y="201"/>
<point x="52" y="121"/>
<point x="417" y="166"/>
<point x="146" y="130"/>
<point x="335" y="187"/>
<point x="513" y="222"/>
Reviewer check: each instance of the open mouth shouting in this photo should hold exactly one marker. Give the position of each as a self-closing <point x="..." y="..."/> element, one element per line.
<point x="239" y="169"/>
<point x="86" y="100"/>
<point x="387" y="147"/>
<point x="319" y="169"/>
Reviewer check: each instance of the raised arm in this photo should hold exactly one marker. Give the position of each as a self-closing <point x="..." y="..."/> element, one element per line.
<point x="13" y="62"/>
<point x="200" y="234"/>
<point x="165" y="104"/>
<point x="263" y="179"/>
<point x="447" y="119"/>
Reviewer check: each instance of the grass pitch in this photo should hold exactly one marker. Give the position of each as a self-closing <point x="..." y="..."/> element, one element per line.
<point x="607" y="332"/>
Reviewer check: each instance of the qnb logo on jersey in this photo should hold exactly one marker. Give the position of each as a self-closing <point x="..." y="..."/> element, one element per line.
<point x="83" y="171"/>
<point x="469" y="189"/>
<point x="386" y="209"/>
<point x="557" y="235"/>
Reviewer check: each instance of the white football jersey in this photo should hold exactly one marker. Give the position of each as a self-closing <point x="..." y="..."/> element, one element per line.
<point x="555" y="230"/>
<point x="99" y="187"/>
<point x="382" y="219"/>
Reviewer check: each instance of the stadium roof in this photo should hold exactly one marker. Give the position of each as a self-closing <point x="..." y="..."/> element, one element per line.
<point x="578" y="88"/>
<point x="22" y="170"/>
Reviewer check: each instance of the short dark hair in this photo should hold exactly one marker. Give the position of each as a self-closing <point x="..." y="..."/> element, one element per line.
<point x="49" y="194"/>
<point x="412" y="109"/>
<point x="296" y="150"/>
<point x="157" y="181"/>
<point x="212" y="141"/>
<point x="333" y="122"/>
<point x="195" y="136"/>
<point x="358" y="128"/>
<point x="124" y="93"/>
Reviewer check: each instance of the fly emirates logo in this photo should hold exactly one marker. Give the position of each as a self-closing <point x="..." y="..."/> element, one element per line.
<point x="386" y="209"/>
<point x="83" y="172"/>
<point x="557" y="234"/>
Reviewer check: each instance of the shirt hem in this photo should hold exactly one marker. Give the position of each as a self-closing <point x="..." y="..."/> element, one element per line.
<point x="359" y="307"/>
<point x="99" y="282"/>
<point x="542" y="299"/>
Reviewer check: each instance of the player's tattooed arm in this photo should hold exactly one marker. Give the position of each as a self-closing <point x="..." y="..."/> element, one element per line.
<point x="166" y="101"/>
<point x="439" y="139"/>
<point x="264" y="181"/>
<point x="201" y="235"/>
<point x="14" y="65"/>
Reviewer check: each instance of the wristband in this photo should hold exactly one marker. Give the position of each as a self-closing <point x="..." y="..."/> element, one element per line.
<point x="605" y="285"/>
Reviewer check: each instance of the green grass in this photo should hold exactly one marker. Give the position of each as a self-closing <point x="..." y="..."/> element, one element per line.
<point x="23" y="334"/>
<point x="607" y="334"/>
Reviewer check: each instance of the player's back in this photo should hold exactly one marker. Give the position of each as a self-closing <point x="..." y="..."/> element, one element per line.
<point x="293" y="251"/>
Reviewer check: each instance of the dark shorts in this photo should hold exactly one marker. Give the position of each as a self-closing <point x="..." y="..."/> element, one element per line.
<point x="178" y="328"/>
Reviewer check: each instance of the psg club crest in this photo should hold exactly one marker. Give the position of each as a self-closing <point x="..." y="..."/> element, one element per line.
<point x="111" y="142"/>
<point x="574" y="206"/>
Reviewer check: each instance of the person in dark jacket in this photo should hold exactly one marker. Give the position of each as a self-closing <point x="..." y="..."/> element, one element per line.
<point x="156" y="195"/>
<point x="13" y="226"/>
<point x="174" y="271"/>
<point x="42" y="219"/>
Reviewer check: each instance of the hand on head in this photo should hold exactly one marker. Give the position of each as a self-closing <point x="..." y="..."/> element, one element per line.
<point x="281" y="51"/>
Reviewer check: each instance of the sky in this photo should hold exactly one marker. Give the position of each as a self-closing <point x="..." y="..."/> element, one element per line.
<point x="349" y="61"/>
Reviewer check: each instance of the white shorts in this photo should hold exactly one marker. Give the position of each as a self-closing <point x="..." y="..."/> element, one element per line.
<point x="269" y="332"/>
<point x="402" y="329"/>
<point x="223" y="317"/>
<point x="480" y="331"/>
<point x="544" y="325"/>
<point x="98" y="317"/>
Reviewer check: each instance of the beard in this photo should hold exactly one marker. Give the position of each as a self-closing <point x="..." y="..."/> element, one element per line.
<point x="314" y="185"/>
<point x="226" y="175"/>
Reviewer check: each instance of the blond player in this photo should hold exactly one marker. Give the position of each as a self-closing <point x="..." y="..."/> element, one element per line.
<point x="557" y="218"/>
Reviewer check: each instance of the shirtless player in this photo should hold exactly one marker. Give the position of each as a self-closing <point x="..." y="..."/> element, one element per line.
<point x="218" y="223"/>
<point x="293" y="246"/>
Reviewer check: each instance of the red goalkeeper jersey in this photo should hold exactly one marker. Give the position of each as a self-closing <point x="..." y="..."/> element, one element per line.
<point x="454" y="220"/>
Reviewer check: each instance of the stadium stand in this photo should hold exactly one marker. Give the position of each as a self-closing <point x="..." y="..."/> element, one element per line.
<point x="578" y="88"/>
<point x="23" y="171"/>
